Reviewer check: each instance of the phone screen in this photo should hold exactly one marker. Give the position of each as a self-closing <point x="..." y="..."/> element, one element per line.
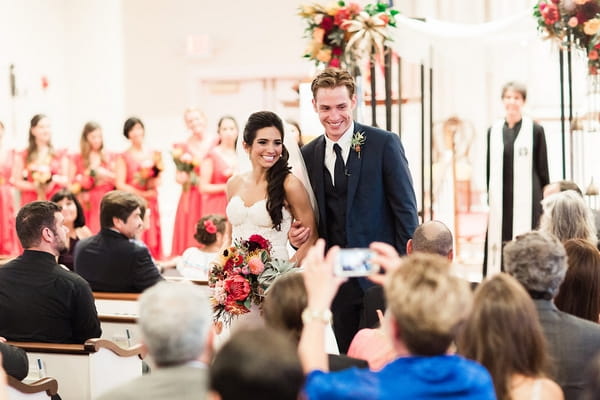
<point x="355" y="262"/>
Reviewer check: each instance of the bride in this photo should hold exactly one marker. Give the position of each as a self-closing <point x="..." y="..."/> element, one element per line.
<point x="269" y="197"/>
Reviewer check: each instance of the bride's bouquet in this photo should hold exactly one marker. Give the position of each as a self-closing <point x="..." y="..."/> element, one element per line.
<point x="241" y="276"/>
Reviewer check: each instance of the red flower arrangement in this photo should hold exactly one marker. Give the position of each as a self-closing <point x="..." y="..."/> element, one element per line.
<point x="340" y="34"/>
<point x="572" y="22"/>
<point x="241" y="276"/>
<point x="84" y="182"/>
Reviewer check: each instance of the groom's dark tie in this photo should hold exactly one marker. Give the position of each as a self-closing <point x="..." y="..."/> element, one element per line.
<point x="338" y="173"/>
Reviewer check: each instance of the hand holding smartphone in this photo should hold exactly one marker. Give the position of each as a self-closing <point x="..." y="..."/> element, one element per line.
<point x="355" y="262"/>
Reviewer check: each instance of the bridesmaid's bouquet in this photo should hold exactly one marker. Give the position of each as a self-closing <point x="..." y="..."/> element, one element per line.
<point x="241" y="276"/>
<point x="185" y="161"/>
<point x="149" y="169"/>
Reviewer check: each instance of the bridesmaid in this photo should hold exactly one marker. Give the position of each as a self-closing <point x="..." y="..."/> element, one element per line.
<point x="39" y="171"/>
<point x="218" y="166"/>
<point x="92" y="173"/>
<point x="9" y="245"/>
<point x="188" y="156"/>
<point x="138" y="171"/>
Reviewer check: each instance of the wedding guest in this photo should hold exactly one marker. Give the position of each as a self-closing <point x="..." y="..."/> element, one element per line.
<point x="592" y="380"/>
<point x="211" y="232"/>
<point x="579" y="294"/>
<point x="294" y="129"/>
<point x="218" y="167"/>
<point x="566" y="216"/>
<point x="256" y="364"/>
<point x="503" y="333"/>
<point x="41" y="301"/>
<point x="92" y="173"/>
<point x="188" y="157"/>
<point x="111" y="260"/>
<point x="537" y="260"/>
<point x="39" y="171"/>
<point x="426" y="306"/>
<point x="9" y="245"/>
<point x="74" y="220"/>
<point x="282" y="309"/>
<point x="174" y="322"/>
<point x="516" y="146"/>
<point x="138" y="172"/>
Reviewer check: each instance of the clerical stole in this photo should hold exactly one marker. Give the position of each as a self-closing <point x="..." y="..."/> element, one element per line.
<point x="522" y="192"/>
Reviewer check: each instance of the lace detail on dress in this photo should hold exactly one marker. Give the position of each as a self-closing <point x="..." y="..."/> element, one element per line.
<point x="246" y="221"/>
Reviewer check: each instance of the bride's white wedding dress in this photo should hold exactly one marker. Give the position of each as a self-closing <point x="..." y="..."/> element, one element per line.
<point x="255" y="220"/>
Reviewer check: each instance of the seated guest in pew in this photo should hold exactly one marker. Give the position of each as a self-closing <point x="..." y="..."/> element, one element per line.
<point x="14" y="360"/>
<point x="539" y="262"/>
<point x="112" y="261"/>
<point x="256" y="364"/>
<point x="39" y="300"/>
<point x="426" y="306"/>
<point x="175" y="319"/>
<point x="432" y="237"/>
<point x="282" y="309"/>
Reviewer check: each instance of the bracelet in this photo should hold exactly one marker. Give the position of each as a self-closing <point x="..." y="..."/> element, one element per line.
<point x="309" y="315"/>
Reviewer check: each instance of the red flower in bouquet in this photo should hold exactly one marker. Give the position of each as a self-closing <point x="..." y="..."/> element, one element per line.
<point x="149" y="169"/>
<point x="237" y="288"/>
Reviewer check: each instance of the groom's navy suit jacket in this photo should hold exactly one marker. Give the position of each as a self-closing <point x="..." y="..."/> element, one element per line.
<point x="380" y="201"/>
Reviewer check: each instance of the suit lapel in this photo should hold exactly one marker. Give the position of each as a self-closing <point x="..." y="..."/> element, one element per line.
<point x="317" y="177"/>
<point x="353" y="166"/>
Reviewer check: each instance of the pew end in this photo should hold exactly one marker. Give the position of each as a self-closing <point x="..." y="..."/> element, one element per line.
<point x="41" y="389"/>
<point x="83" y="371"/>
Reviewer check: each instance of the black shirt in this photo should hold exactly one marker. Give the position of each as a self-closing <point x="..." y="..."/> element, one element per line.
<point x="42" y="302"/>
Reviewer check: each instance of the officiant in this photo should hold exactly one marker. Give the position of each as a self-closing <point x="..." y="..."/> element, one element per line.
<point x="517" y="171"/>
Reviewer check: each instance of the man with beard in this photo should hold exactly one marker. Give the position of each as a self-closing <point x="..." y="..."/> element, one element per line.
<point x="39" y="300"/>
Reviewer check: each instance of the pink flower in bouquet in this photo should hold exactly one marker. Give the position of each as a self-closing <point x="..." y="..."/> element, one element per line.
<point x="573" y="22"/>
<point x="256" y="265"/>
<point x="335" y="63"/>
<point x="245" y="270"/>
<point x="593" y="55"/>
<point x="237" y="288"/>
<point x="219" y="293"/>
<point x="318" y="35"/>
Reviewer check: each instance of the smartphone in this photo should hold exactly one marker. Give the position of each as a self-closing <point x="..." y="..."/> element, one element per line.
<point x="355" y="262"/>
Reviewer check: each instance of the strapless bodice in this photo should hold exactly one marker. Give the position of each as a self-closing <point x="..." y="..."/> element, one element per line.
<point x="255" y="220"/>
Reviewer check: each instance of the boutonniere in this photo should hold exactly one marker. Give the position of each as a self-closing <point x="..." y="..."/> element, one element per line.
<point x="358" y="140"/>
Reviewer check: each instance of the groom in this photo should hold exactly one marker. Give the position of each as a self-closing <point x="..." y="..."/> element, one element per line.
<point x="363" y="187"/>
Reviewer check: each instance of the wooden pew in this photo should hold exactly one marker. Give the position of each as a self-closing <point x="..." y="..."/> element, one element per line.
<point x="41" y="389"/>
<point x="83" y="371"/>
<point x="118" y="313"/>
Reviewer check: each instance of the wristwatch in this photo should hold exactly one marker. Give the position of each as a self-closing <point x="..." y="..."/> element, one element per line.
<point x="309" y="315"/>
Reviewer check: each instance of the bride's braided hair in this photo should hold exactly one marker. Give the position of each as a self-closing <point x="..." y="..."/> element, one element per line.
<point x="277" y="173"/>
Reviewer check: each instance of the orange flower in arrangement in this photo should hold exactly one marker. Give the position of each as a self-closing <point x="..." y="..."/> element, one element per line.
<point x="241" y="275"/>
